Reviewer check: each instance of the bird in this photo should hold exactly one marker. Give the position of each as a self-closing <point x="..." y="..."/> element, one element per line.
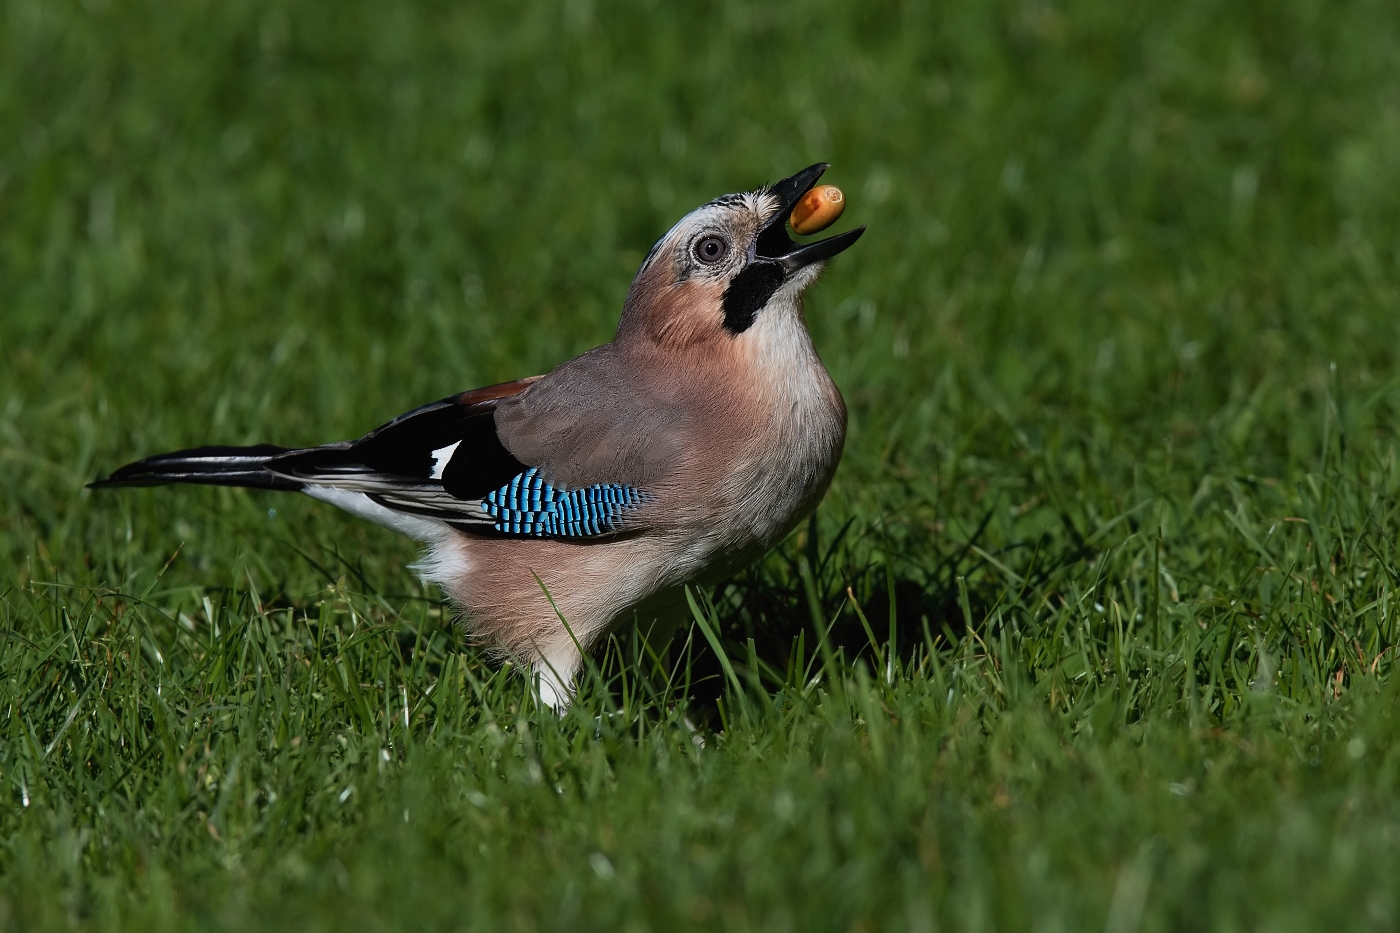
<point x="556" y="509"/>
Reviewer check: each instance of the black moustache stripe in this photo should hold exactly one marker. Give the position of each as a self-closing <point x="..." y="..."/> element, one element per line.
<point x="748" y="292"/>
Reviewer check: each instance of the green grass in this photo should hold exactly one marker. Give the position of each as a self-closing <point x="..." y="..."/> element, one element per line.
<point x="1110" y="567"/>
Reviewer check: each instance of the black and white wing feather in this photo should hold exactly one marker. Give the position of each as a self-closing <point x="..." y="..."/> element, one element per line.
<point x="438" y="461"/>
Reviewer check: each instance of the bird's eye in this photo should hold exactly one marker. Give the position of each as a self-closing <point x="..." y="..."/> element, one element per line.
<point x="711" y="249"/>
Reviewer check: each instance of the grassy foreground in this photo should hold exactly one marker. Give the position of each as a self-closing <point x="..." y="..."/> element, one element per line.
<point x="1096" y="630"/>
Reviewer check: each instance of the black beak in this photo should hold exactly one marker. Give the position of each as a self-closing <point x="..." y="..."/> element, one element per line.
<point x="773" y="242"/>
<point x="776" y="256"/>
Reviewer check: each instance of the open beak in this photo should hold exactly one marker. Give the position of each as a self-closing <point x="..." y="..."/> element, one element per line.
<point x="773" y="242"/>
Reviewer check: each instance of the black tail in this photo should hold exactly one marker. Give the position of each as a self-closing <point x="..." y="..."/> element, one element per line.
<point x="211" y="466"/>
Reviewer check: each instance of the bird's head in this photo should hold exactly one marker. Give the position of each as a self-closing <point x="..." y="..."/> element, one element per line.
<point x="726" y="265"/>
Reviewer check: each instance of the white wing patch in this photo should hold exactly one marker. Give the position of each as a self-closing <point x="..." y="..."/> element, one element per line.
<point x="441" y="456"/>
<point x="362" y="506"/>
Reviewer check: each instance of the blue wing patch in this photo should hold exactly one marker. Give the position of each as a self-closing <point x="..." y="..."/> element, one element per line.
<point x="527" y="505"/>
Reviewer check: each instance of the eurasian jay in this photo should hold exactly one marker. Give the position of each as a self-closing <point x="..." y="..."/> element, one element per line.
<point x="676" y="454"/>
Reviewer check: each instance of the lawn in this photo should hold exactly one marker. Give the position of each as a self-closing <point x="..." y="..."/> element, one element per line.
<point x="1096" y="629"/>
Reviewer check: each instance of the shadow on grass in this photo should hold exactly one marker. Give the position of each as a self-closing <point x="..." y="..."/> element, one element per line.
<point x="772" y="618"/>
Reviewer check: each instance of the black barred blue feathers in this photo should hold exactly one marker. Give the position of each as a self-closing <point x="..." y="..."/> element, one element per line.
<point x="528" y="505"/>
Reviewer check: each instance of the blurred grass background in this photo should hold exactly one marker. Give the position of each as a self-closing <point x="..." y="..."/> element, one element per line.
<point x="1120" y="491"/>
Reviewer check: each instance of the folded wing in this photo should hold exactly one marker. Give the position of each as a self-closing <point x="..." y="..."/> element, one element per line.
<point x="446" y="461"/>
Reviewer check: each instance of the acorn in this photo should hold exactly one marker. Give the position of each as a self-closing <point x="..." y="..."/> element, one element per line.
<point x="817" y="209"/>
